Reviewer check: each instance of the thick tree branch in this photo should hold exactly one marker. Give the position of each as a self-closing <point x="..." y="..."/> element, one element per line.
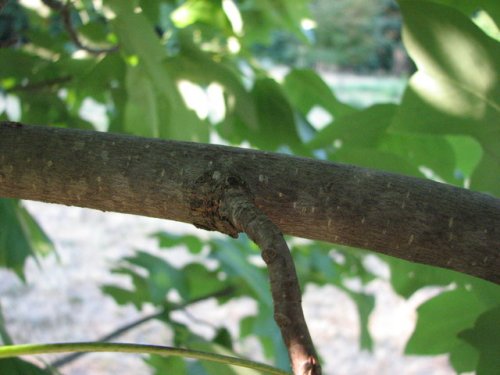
<point x="239" y="208"/>
<point x="409" y="218"/>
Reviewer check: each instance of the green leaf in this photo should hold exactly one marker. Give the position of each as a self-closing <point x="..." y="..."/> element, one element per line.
<point x="216" y="368"/>
<point x="305" y="89"/>
<point x="469" y="7"/>
<point x="5" y="338"/>
<point x="16" y="366"/>
<point x="468" y="153"/>
<point x="223" y="338"/>
<point x="123" y="296"/>
<point x="485" y="337"/>
<point x="357" y="129"/>
<point x="203" y="11"/>
<point x="365" y="304"/>
<point x="235" y="263"/>
<point x="143" y="47"/>
<point x="464" y="358"/>
<point x="432" y="152"/>
<point x="167" y="240"/>
<point x="276" y="122"/>
<point x="262" y="17"/>
<point x="266" y="331"/>
<point x="20" y="236"/>
<point x="153" y="288"/>
<point x="441" y="319"/>
<point x="200" y="67"/>
<point x="408" y="277"/>
<point x="141" y="112"/>
<point x="457" y="89"/>
<point x="200" y="281"/>
<point x="167" y="365"/>
<point x="162" y="277"/>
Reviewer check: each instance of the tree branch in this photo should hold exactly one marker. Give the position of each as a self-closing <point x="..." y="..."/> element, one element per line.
<point x="414" y="219"/>
<point x="238" y="207"/>
<point x="65" y="12"/>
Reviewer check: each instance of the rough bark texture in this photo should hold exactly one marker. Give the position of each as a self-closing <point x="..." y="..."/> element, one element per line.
<point x="409" y="218"/>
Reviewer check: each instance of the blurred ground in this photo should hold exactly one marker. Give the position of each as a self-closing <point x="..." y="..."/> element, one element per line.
<point x="62" y="302"/>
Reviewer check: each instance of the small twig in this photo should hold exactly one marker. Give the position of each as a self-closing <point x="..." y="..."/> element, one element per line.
<point x="63" y="361"/>
<point x="65" y="11"/>
<point x="237" y="206"/>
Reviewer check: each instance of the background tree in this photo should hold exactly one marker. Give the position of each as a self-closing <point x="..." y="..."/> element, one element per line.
<point x="135" y="61"/>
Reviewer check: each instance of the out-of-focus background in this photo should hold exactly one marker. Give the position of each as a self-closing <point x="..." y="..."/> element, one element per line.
<point x="330" y="79"/>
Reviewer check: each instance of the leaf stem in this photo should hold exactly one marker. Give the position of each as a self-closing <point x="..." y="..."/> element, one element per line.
<point x="31" y="349"/>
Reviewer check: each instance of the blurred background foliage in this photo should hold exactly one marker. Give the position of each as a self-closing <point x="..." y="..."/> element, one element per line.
<point x="269" y="74"/>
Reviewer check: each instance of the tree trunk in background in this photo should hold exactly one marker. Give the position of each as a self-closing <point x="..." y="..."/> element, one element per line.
<point x="414" y="219"/>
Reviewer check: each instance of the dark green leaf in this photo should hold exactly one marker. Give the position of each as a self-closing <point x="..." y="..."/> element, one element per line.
<point x="305" y="89"/>
<point x="223" y="338"/>
<point x="485" y="337"/>
<point x="276" y="122"/>
<point x="364" y="304"/>
<point x="20" y="236"/>
<point x="16" y="366"/>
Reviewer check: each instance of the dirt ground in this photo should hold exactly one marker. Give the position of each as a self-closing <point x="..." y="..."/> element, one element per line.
<point x="62" y="302"/>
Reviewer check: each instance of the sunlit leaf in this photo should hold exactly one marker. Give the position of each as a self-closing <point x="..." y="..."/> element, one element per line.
<point x="138" y="39"/>
<point x="457" y="88"/>
<point x="204" y="11"/>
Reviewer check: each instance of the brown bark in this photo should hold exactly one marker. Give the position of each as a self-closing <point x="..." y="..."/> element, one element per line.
<point x="409" y="218"/>
<point x="238" y="207"/>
